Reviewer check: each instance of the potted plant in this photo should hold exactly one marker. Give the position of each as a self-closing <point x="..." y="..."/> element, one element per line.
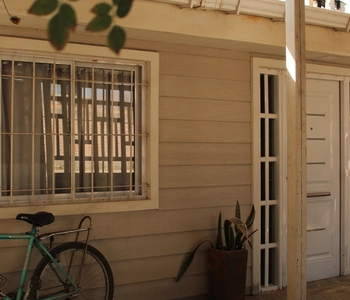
<point x="227" y="262"/>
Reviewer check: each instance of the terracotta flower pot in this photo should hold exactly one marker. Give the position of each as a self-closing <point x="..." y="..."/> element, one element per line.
<point x="227" y="274"/>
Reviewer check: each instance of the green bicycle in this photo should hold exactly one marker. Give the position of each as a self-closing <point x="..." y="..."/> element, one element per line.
<point x="72" y="270"/>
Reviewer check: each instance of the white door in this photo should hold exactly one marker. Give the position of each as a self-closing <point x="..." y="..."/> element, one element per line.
<point x="323" y="179"/>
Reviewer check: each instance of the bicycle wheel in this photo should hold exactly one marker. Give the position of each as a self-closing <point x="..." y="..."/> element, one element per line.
<point x="94" y="282"/>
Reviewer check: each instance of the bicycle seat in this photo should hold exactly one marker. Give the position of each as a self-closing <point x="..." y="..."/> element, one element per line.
<point x="38" y="219"/>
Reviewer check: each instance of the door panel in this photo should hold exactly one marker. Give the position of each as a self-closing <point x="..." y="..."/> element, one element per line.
<point x="323" y="179"/>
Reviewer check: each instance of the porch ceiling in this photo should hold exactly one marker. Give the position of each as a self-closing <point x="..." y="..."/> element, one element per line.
<point x="272" y="9"/>
<point x="322" y="20"/>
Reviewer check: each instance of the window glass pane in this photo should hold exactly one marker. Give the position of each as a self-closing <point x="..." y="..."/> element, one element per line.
<point x="104" y="75"/>
<point x="262" y="225"/>
<point x="272" y="265"/>
<point x="22" y="164"/>
<point x="43" y="181"/>
<point x="5" y="164"/>
<point x="62" y="162"/>
<point x="272" y="86"/>
<point x="83" y="73"/>
<point x="123" y="76"/>
<point x="272" y="181"/>
<point x="44" y="70"/>
<point x="262" y="93"/>
<point x="272" y="136"/>
<point x="23" y="69"/>
<point x="262" y="267"/>
<point x="263" y="181"/>
<point x="6" y="107"/>
<point x="63" y="71"/>
<point x="61" y="139"/>
<point x="22" y="103"/>
<point x="6" y="67"/>
<point x="262" y="138"/>
<point x="42" y="106"/>
<point x="272" y="223"/>
<point x="61" y="90"/>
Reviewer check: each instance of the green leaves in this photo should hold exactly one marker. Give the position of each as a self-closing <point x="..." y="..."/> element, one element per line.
<point x="101" y="8"/>
<point x="64" y="20"/>
<point x="103" y="20"/>
<point x="116" y="38"/>
<point x="124" y="7"/>
<point x="59" y="26"/>
<point x="100" y="22"/>
<point x="187" y="262"/>
<point x="43" y="7"/>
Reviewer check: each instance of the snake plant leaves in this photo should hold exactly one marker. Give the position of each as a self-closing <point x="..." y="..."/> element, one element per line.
<point x="251" y="217"/>
<point x="229" y="236"/>
<point x="241" y="228"/>
<point x="124" y="7"/>
<point x="100" y="22"/>
<point x="188" y="261"/>
<point x="219" y="242"/>
<point x="43" y="7"/>
<point x="244" y="239"/>
<point x="116" y="38"/>
<point x="237" y="214"/>
<point x="101" y="8"/>
<point x="238" y="210"/>
<point x="59" y="26"/>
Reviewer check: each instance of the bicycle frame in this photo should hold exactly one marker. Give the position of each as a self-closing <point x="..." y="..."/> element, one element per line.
<point x="24" y="236"/>
<point x="34" y="240"/>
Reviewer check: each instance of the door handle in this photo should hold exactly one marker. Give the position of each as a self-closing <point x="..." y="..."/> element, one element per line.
<point x="316" y="229"/>
<point x="319" y="194"/>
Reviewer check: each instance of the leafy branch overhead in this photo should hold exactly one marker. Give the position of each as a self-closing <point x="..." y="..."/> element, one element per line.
<point x="64" y="20"/>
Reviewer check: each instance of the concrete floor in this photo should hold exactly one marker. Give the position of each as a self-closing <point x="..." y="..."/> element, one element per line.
<point x="337" y="288"/>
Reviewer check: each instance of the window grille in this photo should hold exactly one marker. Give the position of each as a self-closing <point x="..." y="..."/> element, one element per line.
<point x="71" y="132"/>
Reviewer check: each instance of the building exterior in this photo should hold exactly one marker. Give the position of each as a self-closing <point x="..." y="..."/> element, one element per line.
<point x="188" y="119"/>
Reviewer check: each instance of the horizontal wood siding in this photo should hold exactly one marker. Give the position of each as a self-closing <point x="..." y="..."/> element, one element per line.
<point x="206" y="88"/>
<point x="174" y="108"/>
<point x="205" y="167"/>
<point x="187" y="154"/>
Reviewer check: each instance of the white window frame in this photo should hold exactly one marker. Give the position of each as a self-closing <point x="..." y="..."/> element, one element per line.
<point x="21" y="46"/>
<point x="271" y="67"/>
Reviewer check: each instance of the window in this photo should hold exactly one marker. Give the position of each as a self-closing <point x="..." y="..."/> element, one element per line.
<point x="73" y="131"/>
<point x="269" y="174"/>
<point x="269" y="91"/>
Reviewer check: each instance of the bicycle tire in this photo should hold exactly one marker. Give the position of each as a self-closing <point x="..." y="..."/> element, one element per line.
<point x="96" y="281"/>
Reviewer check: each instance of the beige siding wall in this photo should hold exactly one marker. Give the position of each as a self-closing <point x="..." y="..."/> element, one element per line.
<point x="205" y="166"/>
